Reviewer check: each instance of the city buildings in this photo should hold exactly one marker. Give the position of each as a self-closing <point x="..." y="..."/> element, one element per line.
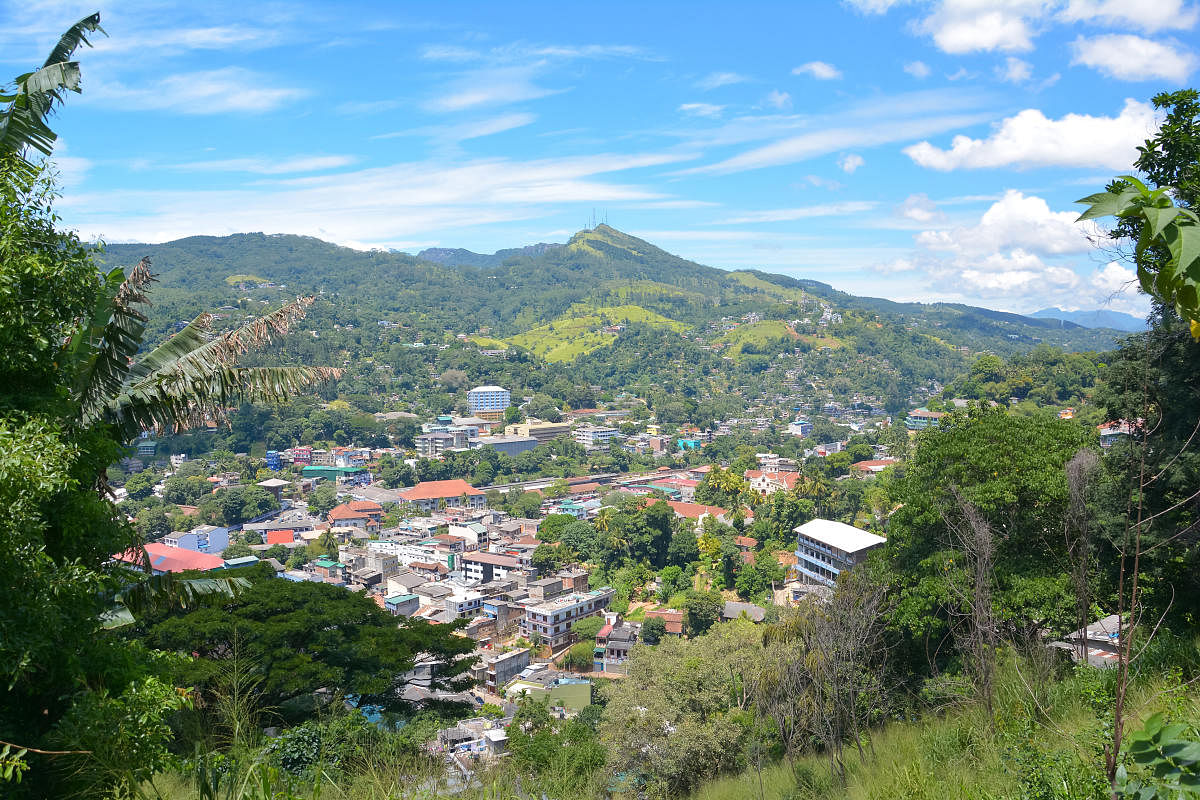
<point x="541" y="431"/>
<point x="203" y="539"/>
<point x="595" y="437"/>
<point x="922" y="418"/>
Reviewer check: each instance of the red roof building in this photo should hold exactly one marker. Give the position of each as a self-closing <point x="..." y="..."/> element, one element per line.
<point x="281" y="537"/>
<point x="172" y="559"/>
<point x="696" y="510"/>
<point x="673" y="619"/>
<point x="872" y="466"/>
<point x="430" y="495"/>
<point x="767" y="483"/>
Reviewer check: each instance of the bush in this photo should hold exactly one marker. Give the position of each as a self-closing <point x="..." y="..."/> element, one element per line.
<point x="579" y="657"/>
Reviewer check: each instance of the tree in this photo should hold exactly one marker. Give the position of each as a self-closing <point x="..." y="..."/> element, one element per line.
<point x="528" y="505"/>
<point x="702" y="610"/>
<point x="1162" y="219"/>
<point x="653" y="630"/>
<point x="580" y="657"/>
<point x="588" y="627"/>
<point x="140" y="485"/>
<point x="323" y="499"/>
<point x="308" y="636"/>
<point x="237" y="550"/>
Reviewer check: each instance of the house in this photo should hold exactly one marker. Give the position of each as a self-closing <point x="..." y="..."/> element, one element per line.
<point x="165" y="559"/>
<point x="613" y="643"/>
<point x="1112" y="432"/>
<point x="673" y="619"/>
<point x="432" y="445"/>
<point x="865" y="469"/>
<point x="767" y="483"/>
<point x="493" y="671"/>
<point x="203" y="539"/>
<point x="824" y="548"/>
<point x="361" y="514"/>
<point x="734" y="610"/>
<point x="922" y="418"/>
<point x="432" y="495"/>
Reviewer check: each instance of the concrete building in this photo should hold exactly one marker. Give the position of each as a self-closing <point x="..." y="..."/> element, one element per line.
<point x="562" y="689"/>
<point x="493" y="671"/>
<point x="825" y="548"/>
<point x="432" y="445"/>
<point x="922" y="418"/>
<point x="542" y="431"/>
<point x="203" y="539"/>
<point x="595" y="437"/>
<point x="487" y="567"/>
<point x="488" y="402"/>
<point x="511" y="446"/>
<point x="552" y="619"/>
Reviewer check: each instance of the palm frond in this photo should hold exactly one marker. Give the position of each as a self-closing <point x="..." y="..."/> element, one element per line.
<point x="76" y="35"/>
<point x="168" y="591"/>
<point x="23" y="123"/>
<point x="101" y="352"/>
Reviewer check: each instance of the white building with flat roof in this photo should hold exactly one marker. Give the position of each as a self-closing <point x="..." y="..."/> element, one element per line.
<point x="825" y="548"/>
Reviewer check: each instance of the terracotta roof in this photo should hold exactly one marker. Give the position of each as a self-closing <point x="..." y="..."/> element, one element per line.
<point x="433" y="490"/>
<point x="584" y="488"/>
<point x="172" y="559"/>
<point x="745" y="541"/>
<point x="673" y="619"/>
<point x="281" y="537"/>
<point x="695" y="510"/>
<point x="787" y="479"/>
<point x="873" y="465"/>
<point x="344" y="511"/>
<point x="365" y="505"/>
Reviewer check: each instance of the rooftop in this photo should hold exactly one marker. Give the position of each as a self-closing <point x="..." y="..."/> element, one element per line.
<point x="839" y="535"/>
<point x="433" y="490"/>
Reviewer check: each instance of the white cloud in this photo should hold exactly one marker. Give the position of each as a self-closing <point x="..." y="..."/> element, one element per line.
<point x="702" y="109"/>
<point x="919" y="208"/>
<point x="1015" y="221"/>
<point x="268" y="166"/>
<point x="379" y="206"/>
<point x="211" y="92"/>
<point x="831" y="140"/>
<point x="896" y="265"/>
<point x="467" y="130"/>
<point x="1014" y="70"/>
<point x="449" y="52"/>
<point x="804" y="212"/>
<point x="872" y="6"/>
<point x="1114" y="278"/>
<point x="1131" y="58"/>
<point x="1149" y="16"/>
<point x="850" y="162"/>
<point x="1030" y="139"/>
<point x="779" y="100"/>
<point x="491" y="87"/>
<point x="1017" y="273"/>
<point x="717" y="79"/>
<point x="966" y="26"/>
<point x="822" y="183"/>
<point x="820" y="70"/>
<point x="918" y="69"/>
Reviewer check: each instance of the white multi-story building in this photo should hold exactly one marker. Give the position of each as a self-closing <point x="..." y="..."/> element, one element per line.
<point x="595" y="437"/>
<point x="825" y="548"/>
<point x="489" y="402"/>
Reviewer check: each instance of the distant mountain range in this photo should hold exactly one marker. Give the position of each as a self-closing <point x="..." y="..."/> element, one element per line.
<point x="1099" y="318"/>
<point x="458" y="257"/>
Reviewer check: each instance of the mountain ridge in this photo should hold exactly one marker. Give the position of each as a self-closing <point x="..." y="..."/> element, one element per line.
<point x="1095" y="318"/>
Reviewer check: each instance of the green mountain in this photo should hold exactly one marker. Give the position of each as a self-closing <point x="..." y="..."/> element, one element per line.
<point x="605" y="309"/>
<point x="533" y="286"/>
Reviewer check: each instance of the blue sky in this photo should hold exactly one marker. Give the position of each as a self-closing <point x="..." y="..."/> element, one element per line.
<point x="911" y="150"/>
